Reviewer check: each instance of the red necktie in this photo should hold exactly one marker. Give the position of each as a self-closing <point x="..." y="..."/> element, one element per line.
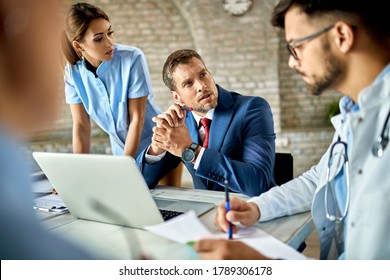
<point x="205" y="122"/>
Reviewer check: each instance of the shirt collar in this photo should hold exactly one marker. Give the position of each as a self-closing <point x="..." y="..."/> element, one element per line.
<point x="89" y="66"/>
<point x="209" y="115"/>
<point x="101" y="68"/>
<point x="347" y="105"/>
<point x="377" y="92"/>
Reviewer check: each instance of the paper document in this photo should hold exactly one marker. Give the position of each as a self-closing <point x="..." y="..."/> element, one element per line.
<point x="187" y="228"/>
<point x="50" y="203"/>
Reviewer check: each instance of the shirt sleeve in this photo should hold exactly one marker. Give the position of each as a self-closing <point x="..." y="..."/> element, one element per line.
<point x="199" y="158"/>
<point x="139" y="84"/>
<point x="293" y="197"/>
<point x="150" y="159"/>
<point x="71" y="95"/>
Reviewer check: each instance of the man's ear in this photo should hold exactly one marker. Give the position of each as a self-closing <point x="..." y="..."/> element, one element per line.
<point x="176" y="97"/>
<point x="345" y="36"/>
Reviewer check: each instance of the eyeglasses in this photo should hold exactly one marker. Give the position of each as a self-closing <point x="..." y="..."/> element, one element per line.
<point x="330" y="186"/>
<point x="294" y="43"/>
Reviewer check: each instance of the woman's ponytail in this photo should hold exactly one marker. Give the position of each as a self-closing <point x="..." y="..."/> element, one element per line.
<point x="70" y="54"/>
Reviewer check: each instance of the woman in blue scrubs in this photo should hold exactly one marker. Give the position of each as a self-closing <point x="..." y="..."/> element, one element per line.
<point x="107" y="82"/>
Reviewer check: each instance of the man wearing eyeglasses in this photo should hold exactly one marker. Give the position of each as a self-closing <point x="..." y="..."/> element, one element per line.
<point x="341" y="45"/>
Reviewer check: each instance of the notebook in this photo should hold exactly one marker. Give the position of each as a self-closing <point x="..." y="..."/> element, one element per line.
<point x="109" y="189"/>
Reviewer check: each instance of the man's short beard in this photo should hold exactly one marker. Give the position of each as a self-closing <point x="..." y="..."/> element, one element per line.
<point x="333" y="71"/>
<point x="204" y="109"/>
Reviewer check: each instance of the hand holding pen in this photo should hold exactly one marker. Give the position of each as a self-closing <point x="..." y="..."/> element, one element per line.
<point x="240" y="211"/>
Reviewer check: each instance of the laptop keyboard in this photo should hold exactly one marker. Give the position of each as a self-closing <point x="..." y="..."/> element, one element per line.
<point x="168" y="214"/>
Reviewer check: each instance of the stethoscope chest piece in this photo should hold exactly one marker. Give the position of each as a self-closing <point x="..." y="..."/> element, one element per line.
<point x="379" y="147"/>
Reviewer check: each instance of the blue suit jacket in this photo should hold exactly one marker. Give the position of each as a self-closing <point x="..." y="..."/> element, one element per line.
<point x="241" y="148"/>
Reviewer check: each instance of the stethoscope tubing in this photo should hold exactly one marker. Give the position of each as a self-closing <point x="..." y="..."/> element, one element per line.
<point x="380" y="145"/>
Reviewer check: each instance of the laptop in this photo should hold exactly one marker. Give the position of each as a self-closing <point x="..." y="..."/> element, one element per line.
<point x="109" y="189"/>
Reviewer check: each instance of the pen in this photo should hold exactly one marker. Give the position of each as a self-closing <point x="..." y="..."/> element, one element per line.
<point x="42" y="209"/>
<point x="186" y="108"/>
<point x="227" y="207"/>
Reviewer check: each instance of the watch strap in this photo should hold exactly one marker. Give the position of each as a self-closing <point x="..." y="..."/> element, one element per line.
<point x="193" y="146"/>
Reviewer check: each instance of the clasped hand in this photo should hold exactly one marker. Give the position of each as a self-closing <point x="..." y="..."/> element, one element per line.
<point x="171" y="133"/>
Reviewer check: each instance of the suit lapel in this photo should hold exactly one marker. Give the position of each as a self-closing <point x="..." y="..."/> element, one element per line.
<point x="221" y="120"/>
<point x="192" y="128"/>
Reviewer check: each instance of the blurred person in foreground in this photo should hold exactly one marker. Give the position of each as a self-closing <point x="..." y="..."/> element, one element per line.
<point x="340" y="45"/>
<point x="29" y="74"/>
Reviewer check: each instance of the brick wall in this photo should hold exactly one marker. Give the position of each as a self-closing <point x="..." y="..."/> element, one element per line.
<point x="244" y="54"/>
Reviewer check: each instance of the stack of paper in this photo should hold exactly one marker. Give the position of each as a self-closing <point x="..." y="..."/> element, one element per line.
<point x="188" y="228"/>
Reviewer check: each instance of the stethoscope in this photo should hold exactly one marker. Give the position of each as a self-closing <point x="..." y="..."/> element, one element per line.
<point x="383" y="139"/>
<point x="377" y="150"/>
<point x="328" y="185"/>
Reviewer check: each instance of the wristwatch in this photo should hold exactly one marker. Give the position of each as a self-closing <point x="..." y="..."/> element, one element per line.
<point x="189" y="154"/>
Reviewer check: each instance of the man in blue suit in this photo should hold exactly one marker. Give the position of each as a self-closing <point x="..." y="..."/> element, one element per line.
<point x="237" y="145"/>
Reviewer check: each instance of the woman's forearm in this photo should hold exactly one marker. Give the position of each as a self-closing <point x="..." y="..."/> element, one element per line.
<point x="81" y="139"/>
<point x="133" y="136"/>
<point x="136" y="109"/>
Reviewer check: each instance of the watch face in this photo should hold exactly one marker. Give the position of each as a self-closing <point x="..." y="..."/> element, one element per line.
<point x="188" y="155"/>
<point x="237" y="7"/>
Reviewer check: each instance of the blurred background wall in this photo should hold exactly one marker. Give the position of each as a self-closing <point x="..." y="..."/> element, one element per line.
<point x="245" y="54"/>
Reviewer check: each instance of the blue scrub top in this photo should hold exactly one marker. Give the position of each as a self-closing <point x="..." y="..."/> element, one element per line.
<point x="105" y="97"/>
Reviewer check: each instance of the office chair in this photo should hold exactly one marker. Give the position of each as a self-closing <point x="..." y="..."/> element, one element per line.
<point x="284" y="172"/>
<point x="283" y="168"/>
<point x="173" y="178"/>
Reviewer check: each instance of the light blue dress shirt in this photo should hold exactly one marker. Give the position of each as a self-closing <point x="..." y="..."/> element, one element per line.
<point x="105" y="96"/>
<point x="347" y="105"/>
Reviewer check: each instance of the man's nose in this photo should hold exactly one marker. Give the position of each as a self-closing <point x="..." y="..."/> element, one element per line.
<point x="292" y="62"/>
<point x="200" y="86"/>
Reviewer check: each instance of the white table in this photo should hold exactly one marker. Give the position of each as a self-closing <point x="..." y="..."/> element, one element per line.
<point x="106" y="241"/>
